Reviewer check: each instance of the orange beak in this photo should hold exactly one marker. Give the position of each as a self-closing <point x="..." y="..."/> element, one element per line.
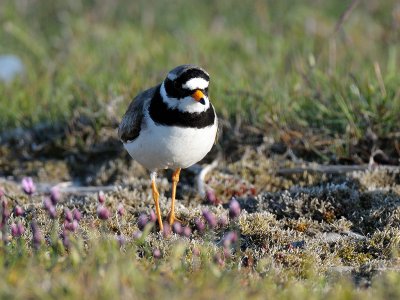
<point x="198" y="95"/>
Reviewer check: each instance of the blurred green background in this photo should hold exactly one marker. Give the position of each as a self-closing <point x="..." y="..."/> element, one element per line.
<point x="292" y="63"/>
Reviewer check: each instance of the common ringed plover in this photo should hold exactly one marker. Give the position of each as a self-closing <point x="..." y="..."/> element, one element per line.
<point x="172" y="125"/>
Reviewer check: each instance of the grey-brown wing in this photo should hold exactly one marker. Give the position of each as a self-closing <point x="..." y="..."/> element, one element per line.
<point x="131" y="122"/>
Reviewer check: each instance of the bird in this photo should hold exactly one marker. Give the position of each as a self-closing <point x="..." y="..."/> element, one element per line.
<point x="172" y="125"/>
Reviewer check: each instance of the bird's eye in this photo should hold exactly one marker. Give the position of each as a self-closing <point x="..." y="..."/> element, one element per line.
<point x="206" y="90"/>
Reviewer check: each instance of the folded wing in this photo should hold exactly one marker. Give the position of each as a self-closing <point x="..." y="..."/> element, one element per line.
<point x="131" y="123"/>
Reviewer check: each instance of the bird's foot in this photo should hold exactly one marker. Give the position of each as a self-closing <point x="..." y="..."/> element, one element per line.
<point x="172" y="218"/>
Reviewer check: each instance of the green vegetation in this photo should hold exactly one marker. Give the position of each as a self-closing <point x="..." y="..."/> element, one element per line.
<point x="332" y="238"/>
<point x="269" y="253"/>
<point x="269" y="60"/>
<point x="109" y="272"/>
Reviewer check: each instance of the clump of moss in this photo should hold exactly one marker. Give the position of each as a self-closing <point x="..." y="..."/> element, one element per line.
<point x="327" y="203"/>
<point x="379" y="179"/>
<point x="385" y="243"/>
<point x="351" y="253"/>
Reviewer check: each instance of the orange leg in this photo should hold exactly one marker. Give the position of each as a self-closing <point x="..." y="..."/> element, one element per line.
<point x="156" y="196"/>
<point x="175" y="179"/>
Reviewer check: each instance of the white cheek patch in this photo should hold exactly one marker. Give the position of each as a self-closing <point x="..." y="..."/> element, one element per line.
<point x="195" y="83"/>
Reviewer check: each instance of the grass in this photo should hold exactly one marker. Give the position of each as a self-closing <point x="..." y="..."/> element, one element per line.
<point x="117" y="276"/>
<point x="280" y="61"/>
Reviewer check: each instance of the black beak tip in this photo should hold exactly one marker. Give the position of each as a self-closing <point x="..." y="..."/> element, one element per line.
<point x="202" y="101"/>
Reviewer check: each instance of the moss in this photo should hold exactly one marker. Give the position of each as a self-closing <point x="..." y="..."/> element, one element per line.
<point x="350" y="254"/>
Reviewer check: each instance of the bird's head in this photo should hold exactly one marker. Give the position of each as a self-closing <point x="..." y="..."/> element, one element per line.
<point x="186" y="88"/>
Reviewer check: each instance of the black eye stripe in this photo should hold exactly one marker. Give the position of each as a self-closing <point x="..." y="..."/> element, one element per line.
<point x="174" y="90"/>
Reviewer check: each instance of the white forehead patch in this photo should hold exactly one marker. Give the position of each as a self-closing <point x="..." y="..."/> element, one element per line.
<point x="196" y="83"/>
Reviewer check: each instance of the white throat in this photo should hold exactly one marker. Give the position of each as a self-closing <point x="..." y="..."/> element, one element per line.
<point x="187" y="104"/>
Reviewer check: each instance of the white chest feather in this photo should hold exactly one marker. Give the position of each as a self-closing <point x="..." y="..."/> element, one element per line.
<point x="160" y="147"/>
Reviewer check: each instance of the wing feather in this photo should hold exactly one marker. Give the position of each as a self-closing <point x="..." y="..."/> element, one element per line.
<point x="131" y="123"/>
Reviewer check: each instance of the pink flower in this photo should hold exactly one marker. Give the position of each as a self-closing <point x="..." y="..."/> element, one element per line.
<point x="121" y="210"/>
<point x="52" y="212"/>
<point x="210" y="218"/>
<point x="186" y="231"/>
<point x="153" y="217"/>
<point x="47" y="203"/>
<point x="68" y="215"/>
<point x="103" y="213"/>
<point x="21" y="228"/>
<point x="51" y="209"/>
<point x="200" y="226"/>
<point x="71" y="226"/>
<point x="18" y="211"/>
<point x="121" y="240"/>
<point x="55" y="195"/>
<point x="211" y="197"/>
<point x="137" y="235"/>
<point x="36" y="235"/>
<point x="14" y="230"/>
<point x="75" y="225"/>
<point x="17" y="229"/>
<point x="65" y="240"/>
<point x="77" y="214"/>
<point x="156" y="253"/>
<point x="229" y="239"/>
<point x="5" y="212"/>
<point x="28" y="186"/>
<point x="234" y="209"/>
<point x="177" y="228"/>
<point x="67" y="226"/>
<point x="142" y="221"/>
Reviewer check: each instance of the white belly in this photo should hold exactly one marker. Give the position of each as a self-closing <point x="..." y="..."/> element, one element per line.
<point x="161" y="147"/>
